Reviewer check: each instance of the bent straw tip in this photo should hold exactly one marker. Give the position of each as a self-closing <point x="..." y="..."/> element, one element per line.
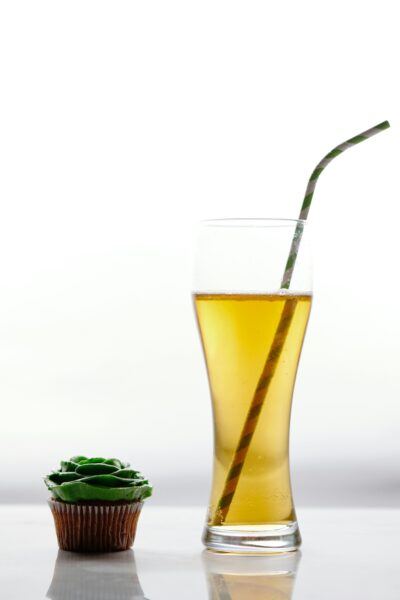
<point x="384" y="125"/>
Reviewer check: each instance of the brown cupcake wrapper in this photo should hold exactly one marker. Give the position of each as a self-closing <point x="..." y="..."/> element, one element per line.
<point x="95" y="527"/>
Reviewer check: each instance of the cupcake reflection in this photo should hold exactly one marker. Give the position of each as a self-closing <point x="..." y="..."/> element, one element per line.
<point x="256" y="577"/>
<point x="95" y="577"/>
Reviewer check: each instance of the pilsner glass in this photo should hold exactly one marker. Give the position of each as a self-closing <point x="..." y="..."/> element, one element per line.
<point x="252" y="333"/>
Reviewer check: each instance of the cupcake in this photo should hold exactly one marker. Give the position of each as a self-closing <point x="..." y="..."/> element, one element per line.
<point x="96" y="503"/>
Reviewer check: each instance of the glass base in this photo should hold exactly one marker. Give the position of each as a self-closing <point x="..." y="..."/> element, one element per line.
<point x="259" y="539"/>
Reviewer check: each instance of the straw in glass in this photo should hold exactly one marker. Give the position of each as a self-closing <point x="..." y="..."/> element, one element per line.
<point x="282" y="330"/>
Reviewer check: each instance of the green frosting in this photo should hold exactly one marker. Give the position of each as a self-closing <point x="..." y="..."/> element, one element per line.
<point x="100" y="479"/>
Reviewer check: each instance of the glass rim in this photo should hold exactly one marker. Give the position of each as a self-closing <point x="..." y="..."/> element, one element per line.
<point x="251" y="222"/>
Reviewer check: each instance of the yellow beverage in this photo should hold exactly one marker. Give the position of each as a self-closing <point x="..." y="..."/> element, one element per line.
<point x="237" y="331"/>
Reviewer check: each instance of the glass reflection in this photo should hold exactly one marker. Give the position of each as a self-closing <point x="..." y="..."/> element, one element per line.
<point x="95" y="577"/>
<point x="231" y="577"/>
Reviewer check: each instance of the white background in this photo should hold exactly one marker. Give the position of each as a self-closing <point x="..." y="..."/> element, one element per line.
<point x="121" y="125"/>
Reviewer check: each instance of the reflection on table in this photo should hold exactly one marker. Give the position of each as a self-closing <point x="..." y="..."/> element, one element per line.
<point x="251" y="577"/>
<point x="95" y="577"/>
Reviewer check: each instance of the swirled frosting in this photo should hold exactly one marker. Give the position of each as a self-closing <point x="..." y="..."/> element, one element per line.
<point x="97" y="479"/>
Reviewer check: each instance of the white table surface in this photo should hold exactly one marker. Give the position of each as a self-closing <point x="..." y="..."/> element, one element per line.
<point x="346" y="554"/>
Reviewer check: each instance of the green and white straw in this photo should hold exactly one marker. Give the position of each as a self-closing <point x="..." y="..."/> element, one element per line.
<point x="287" y="276"/>
<point x="267" y="374"/>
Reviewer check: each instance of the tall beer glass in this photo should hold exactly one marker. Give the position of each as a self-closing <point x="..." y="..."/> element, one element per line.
<point x="252" y="333"/>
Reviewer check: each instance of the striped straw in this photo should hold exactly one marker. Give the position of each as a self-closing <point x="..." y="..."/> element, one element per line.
<point x="287" y="276"/>
<point x="282" y="330"/>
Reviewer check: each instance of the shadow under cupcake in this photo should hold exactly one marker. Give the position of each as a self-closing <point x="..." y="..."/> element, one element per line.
<point x="96" y="503"/>
<point x="95" y="577"/>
